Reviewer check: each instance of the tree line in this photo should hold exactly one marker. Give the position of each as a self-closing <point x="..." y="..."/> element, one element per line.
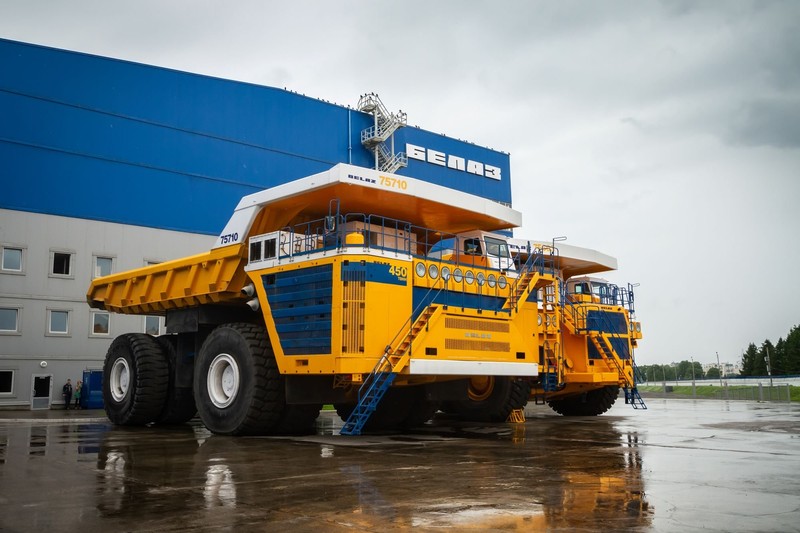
<point x="683" y="370"/>
<point x="783" y="356"/>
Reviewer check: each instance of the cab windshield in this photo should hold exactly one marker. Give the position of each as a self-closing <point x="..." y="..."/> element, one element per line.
<point x="496" y="247"/>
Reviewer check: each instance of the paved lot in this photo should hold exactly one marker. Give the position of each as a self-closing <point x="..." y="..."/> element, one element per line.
<point x="682" y="465"/>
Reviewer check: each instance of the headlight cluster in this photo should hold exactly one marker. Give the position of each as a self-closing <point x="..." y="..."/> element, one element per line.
<point x="459" y="275"/>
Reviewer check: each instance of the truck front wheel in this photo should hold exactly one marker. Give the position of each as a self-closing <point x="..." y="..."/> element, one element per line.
<point x="591" y="403"/>
<point x="490" y="399"/>
<point x="237" y="385"/>
<point x="135" y="380"/>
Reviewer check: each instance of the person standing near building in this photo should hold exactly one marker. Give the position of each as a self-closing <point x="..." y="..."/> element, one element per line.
<point x="66" y="391"/>
<point x="77" y="395"/>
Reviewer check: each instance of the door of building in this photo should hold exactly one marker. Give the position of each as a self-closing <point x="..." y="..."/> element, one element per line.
<point x="41" y="390"/>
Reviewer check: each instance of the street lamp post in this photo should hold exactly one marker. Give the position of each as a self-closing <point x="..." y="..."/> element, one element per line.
<point x="769" y="368"/>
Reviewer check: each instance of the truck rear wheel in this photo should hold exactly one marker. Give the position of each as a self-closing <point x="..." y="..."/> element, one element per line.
<point x="135" y="380"/>
<point x="239" y="389"/>
<point x="591" y="403"/>
<point x="490" y="399"/>
<point x="179" y="406"/>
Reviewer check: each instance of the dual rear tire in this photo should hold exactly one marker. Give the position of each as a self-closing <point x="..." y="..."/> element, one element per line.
<point x="237" y="385"/>
<point x="135" y="380"/>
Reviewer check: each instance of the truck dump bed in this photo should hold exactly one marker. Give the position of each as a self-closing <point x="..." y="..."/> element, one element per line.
<point x="211" y="277"/>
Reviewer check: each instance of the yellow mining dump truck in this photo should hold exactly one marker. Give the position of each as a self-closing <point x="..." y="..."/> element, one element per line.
<point x="389" y="297"/>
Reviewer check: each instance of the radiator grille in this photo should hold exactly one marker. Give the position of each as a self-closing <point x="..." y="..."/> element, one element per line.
<point x="353" y="304"/>
<point x="477" y="345"/>
<point x="476" y="325"/>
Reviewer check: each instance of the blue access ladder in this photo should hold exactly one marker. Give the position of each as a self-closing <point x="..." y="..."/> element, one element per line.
<point x="383" y="374"/>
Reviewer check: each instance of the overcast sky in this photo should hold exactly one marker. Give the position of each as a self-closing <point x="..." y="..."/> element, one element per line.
<point x="666" y="134"/>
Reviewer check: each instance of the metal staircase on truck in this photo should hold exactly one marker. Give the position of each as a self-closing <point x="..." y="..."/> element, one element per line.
<point x="392" y="362"/>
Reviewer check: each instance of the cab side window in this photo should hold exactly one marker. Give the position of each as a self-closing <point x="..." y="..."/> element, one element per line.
<point x="472" y="247"/>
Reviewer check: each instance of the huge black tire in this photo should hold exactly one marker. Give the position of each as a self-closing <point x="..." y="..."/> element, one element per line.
<point x="591" y="403"/>
<point x="393" y="409"/>
<point x="400" y="408"/>
<point x="491" y="399"/>
<point x="179" y="406"/>
<point x="239" y="389"/>
<point x="422" y="409"/>
<point x="135" y="380"/>
<point x="298" y="419"/>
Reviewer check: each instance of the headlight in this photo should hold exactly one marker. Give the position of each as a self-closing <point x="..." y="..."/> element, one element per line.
<point x="420" y="270"/>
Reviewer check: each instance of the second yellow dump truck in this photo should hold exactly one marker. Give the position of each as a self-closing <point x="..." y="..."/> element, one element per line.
<point x="389" y="297"/>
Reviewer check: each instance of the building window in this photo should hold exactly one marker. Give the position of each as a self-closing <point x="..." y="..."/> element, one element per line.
<point x="103" y="266"/>
<point x="12" y="260"/>
<point x="57" y="322"/>
<point x="100" y="323"/>
<point x="61" y="264"/>
<point x="9" y="320"/>
<point x="154" y="325"/>
<point x="6" y="381"/>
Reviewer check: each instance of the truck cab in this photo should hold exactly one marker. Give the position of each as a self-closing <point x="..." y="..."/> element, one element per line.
<point x="476" y="248"/>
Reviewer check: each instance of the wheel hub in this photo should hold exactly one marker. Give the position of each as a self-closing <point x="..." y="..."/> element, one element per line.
<point x="480" y="388"/>
<point x="223" y="380"/>
<point x="119" y="379"/>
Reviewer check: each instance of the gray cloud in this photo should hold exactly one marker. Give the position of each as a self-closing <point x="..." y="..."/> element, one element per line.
<point x="766" y="122"/>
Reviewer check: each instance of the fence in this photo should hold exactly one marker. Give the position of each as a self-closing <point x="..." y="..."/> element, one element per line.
<point x="761" y="393"/>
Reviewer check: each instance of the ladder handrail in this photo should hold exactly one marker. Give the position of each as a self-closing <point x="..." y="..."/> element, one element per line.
<point x="384" y="361"/>
<point x="534" y="259"/>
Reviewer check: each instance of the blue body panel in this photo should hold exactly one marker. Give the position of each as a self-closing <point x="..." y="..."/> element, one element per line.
<point x="303" y="321"/>
<point x="422" y="297"/>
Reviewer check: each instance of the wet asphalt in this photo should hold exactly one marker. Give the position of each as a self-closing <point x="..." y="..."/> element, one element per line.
<point x="682" y="465"/>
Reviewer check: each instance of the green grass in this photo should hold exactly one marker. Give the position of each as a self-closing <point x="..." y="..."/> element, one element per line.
<point x="707" y="391"/>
